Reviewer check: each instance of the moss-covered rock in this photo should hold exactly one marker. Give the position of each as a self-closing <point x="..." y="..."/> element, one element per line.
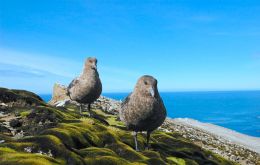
<point x="9" y="156"/>
<point x="108" y="160"/>
<point x="19" y="98"/>
<point x="62" y="136"/>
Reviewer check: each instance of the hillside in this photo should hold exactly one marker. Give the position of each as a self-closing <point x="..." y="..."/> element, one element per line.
<point x="34" y="132"/>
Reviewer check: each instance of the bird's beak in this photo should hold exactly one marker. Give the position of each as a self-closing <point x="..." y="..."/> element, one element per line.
<point x="94" y="66"/>
<point x="151" y="90"/>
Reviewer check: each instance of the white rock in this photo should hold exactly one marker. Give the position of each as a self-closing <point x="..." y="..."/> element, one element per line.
<point x="3" y="105"/>
<point x="62" y="103"/>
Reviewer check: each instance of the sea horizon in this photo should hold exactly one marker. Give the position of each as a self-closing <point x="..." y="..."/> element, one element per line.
<point x="235" y="110"/>
<point x="176" y="91"/>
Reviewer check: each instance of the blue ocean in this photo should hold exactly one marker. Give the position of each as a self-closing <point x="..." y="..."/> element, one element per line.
<point x="236" y="110"/>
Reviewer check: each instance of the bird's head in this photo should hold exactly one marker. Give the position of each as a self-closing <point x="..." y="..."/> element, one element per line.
<point x="147" y="86"/>
<point x="91" y="63"/>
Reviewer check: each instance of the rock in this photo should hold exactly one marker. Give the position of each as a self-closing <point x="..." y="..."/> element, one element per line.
<point x="61" y="99"/>
<point x="59" y="93"/>
<point x="18" y="98"/>
<point x="4" y="130"/>
<point x="226" y="148"/>
<point x="107" y="104"/>
<point x="42" y="115"/>
<point x="2" y="105"/>
<point x="15" y="123"/>
<point x="62" y="103"/>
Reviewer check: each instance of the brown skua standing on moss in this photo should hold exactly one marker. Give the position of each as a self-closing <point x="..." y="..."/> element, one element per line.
<point x="86" y="88"/>
<point x="143" y="109"/>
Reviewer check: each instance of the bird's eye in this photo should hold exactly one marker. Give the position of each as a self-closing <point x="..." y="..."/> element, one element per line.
<point x="145" y="82"/>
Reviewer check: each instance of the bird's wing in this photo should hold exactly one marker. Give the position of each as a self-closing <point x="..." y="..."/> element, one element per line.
<point x="72" y="84"/>
<point x="126" y="100"/>
<point x="123" y="104"/>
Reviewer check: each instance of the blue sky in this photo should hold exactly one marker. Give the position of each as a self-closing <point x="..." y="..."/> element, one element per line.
<point x="186" y="44"/>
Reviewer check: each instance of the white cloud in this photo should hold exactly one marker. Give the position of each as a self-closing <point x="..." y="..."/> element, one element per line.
<point x="38" y="73"/>
<point x="56" y="65"/>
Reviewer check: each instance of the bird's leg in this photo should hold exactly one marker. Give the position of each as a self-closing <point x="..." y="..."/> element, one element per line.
<point x="90" y="113"/>
<point x="147" y="139"/>
<point x="136" y="142"/>
<point x="80" y="108"/>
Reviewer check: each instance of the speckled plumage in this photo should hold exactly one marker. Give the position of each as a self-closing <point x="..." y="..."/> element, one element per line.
<point x="87" y="87"/>
<point x="143" y="109"/>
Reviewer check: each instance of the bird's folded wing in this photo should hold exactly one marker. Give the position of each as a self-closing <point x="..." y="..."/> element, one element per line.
<point x="73" y="83"/>
<point x="126" y="100"/>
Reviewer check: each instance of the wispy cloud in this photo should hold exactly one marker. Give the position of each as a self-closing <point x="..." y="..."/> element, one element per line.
<point x="24" y="77"/>
<point x="55" y="65"/>
<point x="52" y="64"/>
<point x="10" y="70"/>
<point x="38" y="72"/>
<point x="14" y="73"/>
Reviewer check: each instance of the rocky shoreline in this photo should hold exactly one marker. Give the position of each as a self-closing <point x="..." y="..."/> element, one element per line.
<point x="214" y="142"/>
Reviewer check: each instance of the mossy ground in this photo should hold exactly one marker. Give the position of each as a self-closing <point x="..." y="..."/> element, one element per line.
<point x="90" y="141"/>
<point x="102" y="139"/>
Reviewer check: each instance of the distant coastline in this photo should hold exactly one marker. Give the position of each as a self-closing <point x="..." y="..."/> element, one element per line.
<point x="228" y="143"/>
<point x="250" y="142"/>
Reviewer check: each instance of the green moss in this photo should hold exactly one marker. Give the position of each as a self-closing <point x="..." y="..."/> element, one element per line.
<point x="18" y="146"/>
<point x="76" y="135"/>
<point x="5" y="138"/>
<point x="72" y="107"/>
<point x="61" y="115"/>
<point x="27" y="158"/>
<point x="127" y="138"/>
<point x="177" y="161"/>
<point x="100" y="113"/>
<point x="192" y="162"/>
<point x="220" y="160"/>
<point x="126" y="152"/>
<point x="61" y="134"/>
<point x="151" y="154"/>
<point x="47" y="143"/>
<point x="93" y="152"/>
<point x="10" y="156"/>
<point x="108" y="160"/>
<point x="111" y="119"/>
<point x="27" y="94"/>
<point x="156" y="161"/>
<point x="6" y="149"/>
<point x="25" y="113"/>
